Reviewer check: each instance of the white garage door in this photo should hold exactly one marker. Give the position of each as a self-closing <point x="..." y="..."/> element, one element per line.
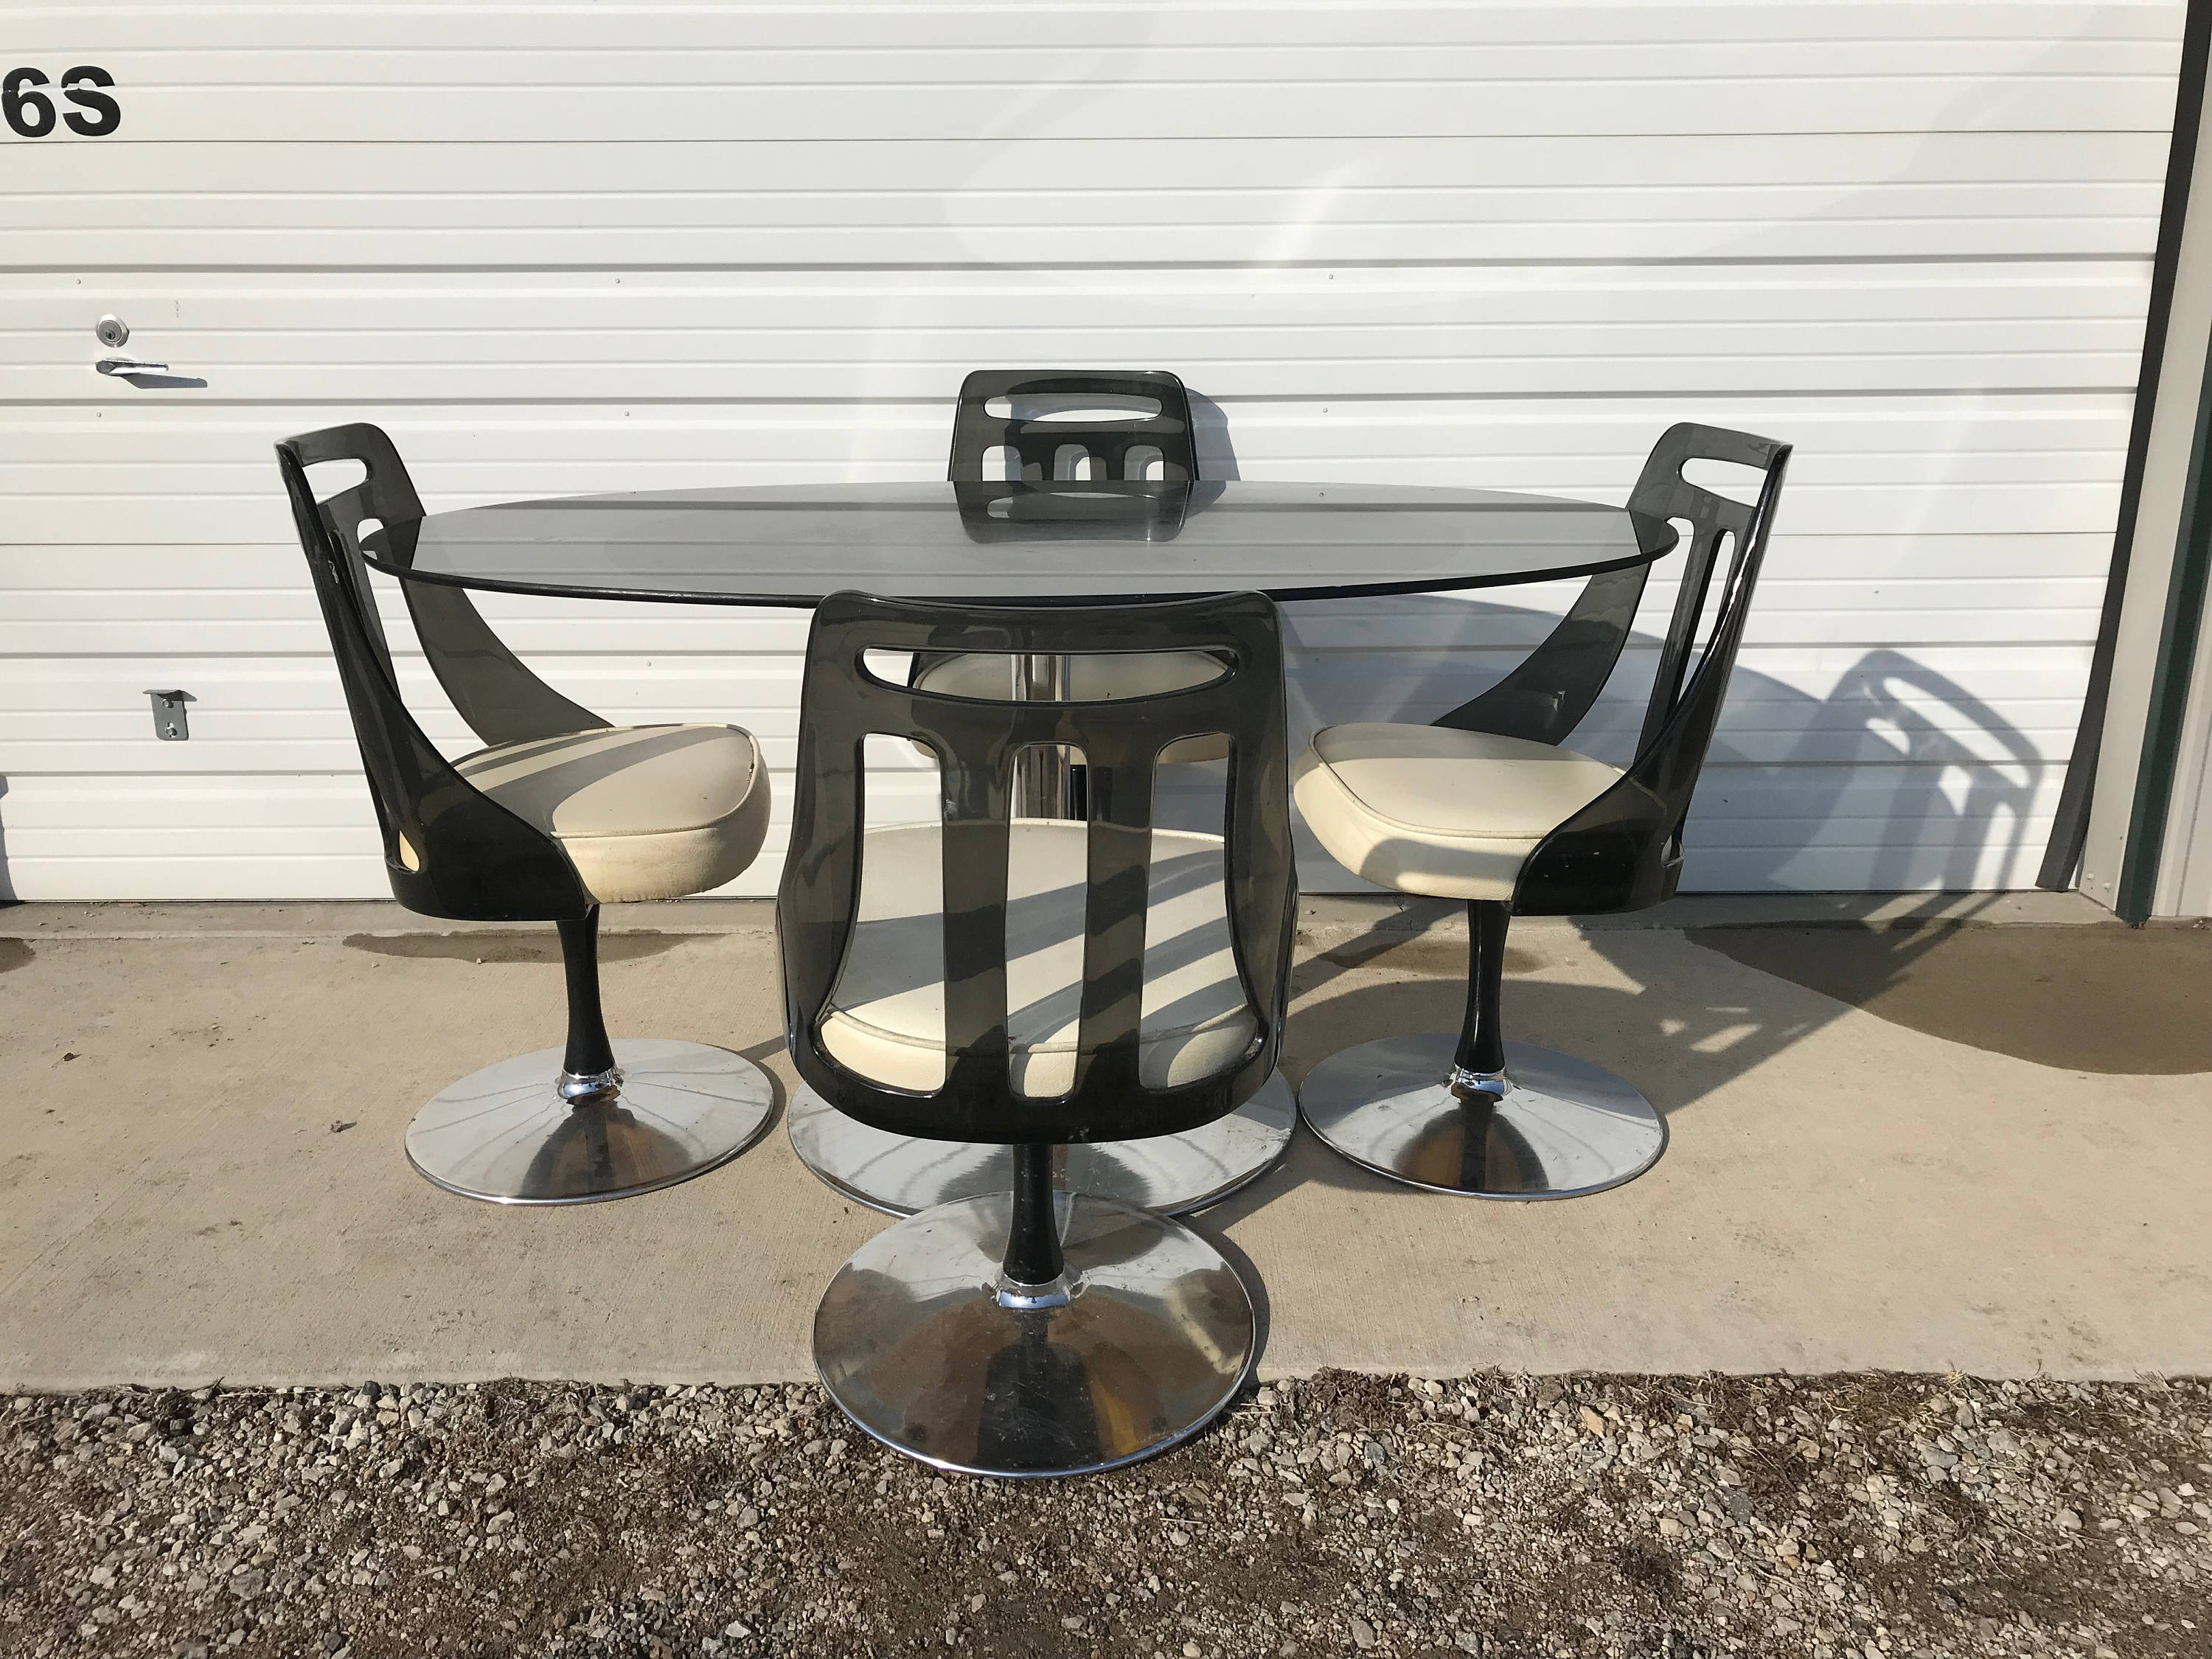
<point x="623" y="246"/>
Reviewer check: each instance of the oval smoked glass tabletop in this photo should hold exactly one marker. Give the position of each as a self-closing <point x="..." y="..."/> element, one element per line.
<point x="1021" y="544"/>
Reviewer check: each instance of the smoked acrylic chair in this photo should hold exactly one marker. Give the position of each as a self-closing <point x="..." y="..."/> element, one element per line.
<point x="1484" y="806"/>
<point x="1035" y="983"/>
<point x="559" y="813"/>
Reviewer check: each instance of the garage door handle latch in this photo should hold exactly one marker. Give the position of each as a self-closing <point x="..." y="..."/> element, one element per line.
<point x="129" y="365"/>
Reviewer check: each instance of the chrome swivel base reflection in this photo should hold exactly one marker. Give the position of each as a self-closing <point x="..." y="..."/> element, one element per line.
<point x="1173" y="1174"/>
<point x="1139" y="1341"/>
<point x="525" y="1130"/>
<point x="1548" y="1126"/>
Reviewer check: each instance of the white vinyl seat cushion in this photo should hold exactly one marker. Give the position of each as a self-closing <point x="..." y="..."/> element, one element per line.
<point x="886" y="1017"/>
<point x="1424" y="809"/>
<point x="643" y="811"/>
<point x="1092" y="677"/>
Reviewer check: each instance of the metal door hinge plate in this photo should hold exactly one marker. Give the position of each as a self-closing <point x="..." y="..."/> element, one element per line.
<point x="169" y="722"/>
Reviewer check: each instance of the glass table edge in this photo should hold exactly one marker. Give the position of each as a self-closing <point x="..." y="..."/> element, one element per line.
<point x="1656" y="537"/>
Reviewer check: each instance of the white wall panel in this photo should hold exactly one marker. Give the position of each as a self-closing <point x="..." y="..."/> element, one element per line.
<point x="570" y="248"/>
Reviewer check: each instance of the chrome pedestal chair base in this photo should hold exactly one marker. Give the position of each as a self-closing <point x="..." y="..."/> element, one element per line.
<point x="1560" y="1128"/>
<point x="1143" y="1339"/>
<point x="1172" y="1175"/>
<point x="670" y="1111"/>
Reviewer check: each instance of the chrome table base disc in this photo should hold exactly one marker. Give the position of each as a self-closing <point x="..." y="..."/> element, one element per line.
<point x="505" y="1134"/>
<point x="1173" y="1174"/>
<point x="1564" y="1126"/>
<point x="916" y="1345"/>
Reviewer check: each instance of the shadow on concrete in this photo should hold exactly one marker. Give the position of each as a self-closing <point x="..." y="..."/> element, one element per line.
<point x="2115" y="1000"/>
<point x="14" y="954"/>
<point x="779" y="1098"/>
<point x="2084" y="998"/>
<point x="762" y="1053"/>
<point x="491" y="947"/>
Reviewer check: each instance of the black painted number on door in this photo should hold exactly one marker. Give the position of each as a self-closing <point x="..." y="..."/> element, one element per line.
<point x="28" y="104"/>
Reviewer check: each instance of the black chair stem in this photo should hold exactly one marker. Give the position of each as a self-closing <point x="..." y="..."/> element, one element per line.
<point x="1033" y="1254"/>
<point x="589" y="1053"/>
<point x="1481" y="1036"/>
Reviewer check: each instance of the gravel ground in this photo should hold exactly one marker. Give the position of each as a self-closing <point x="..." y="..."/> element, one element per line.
<point x="1498" y="1515"/>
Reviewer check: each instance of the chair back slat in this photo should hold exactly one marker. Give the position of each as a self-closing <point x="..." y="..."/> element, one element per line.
<point x="1036" y="442"/>
<point x="1118" y="871"/>
<point x="977" y="742"/>
<point x="973" y="853"/>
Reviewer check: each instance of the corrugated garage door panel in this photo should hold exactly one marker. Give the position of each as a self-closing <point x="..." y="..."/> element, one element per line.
<point x="619" y="247"/>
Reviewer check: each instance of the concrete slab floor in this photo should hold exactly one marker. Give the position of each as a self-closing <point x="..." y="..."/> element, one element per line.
<point x="1842" y="1191"/>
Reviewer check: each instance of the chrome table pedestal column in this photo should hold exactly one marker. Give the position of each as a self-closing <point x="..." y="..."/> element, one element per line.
<point x="596" y="1119"/>
<point x="957" y="1339"/>
<point x="1173" y="1174"/>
